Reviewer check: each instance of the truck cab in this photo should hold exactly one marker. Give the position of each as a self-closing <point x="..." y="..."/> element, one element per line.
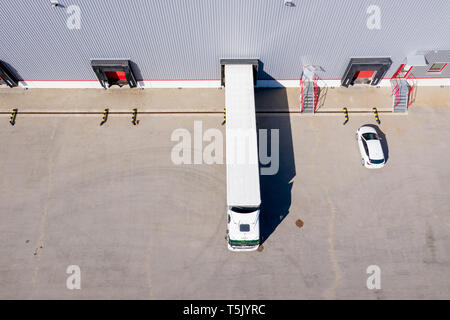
<point x="243" y="228"/>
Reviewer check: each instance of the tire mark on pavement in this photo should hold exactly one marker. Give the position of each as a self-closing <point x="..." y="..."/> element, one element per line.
<point x="331" y="220"/>
<point x="41" y="240"/>
<point x="148" y="270"/>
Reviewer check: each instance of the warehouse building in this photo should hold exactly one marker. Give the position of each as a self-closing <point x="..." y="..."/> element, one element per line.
<point x="178" y="43"/>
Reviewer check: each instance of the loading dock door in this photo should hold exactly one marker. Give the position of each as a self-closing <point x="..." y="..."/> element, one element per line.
<point x="363" y="77"/>
<point x="252" y="62"/>
<point x="371" y="69"/>
<point x="6" y="77"/>
<point x="364" y="74"/>
<point x="114" y="72"/>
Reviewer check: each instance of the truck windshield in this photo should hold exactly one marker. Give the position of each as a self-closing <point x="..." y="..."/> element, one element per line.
<point x="244" y="243"/>
<point x="243" y="209"/>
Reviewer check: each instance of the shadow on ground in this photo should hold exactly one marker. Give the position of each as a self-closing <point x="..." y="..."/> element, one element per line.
<point x="275" y="188"/>
<point x="322" y="91"/>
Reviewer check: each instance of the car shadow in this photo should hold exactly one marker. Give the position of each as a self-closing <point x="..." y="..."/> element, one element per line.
<point x="383" y="140"/>
<point x="276" y="185"/>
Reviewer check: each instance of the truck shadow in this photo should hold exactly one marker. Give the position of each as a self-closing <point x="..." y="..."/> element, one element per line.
<point x="275" y="188"/>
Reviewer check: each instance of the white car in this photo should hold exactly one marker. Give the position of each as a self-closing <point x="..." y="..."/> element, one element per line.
<point x="370" y="148"/>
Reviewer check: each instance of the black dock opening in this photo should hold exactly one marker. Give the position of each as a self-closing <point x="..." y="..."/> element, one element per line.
<point x="6" y="77"/>
<point x="365" y="70"/>
<point x="114" y="72"/>
<point x="253" y="62"/>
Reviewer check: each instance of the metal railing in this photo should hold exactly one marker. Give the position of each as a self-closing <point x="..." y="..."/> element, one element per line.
<point x="315" y="92"/>
<point x="301" y="93"/>
<point x="395" y="91"/>
<point x="411" y="80"/>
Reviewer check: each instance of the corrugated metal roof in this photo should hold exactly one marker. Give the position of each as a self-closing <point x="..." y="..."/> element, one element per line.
<point x="179" y="39"/>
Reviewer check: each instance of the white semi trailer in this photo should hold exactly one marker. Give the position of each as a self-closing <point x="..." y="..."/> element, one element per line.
<point x="243" y="193"/>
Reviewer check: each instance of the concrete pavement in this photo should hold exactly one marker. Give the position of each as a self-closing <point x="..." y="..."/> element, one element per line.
<point x="204" y="100"/>
<point x="110" y="200"/>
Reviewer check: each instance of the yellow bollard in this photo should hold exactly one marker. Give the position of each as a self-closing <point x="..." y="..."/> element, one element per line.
<point x="224" y="116"/>
<point x="12" y="119"/>
<point x="346" y="116"/>
<point x="105" y="116"/>
<point x="134" y="117"/>
<point x="375" y="112"/>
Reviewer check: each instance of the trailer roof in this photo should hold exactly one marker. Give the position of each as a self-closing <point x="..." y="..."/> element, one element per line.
<point x="241" y="141"/>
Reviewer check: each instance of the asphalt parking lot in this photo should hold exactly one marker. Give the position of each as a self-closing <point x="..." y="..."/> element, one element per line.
<point x="110" y="200"/>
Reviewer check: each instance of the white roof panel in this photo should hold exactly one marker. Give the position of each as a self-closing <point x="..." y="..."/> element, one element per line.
<point x="416" y="60"/>
<point x="241" y="139"/>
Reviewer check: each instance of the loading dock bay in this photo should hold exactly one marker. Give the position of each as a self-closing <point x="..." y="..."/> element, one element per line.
<point x="110" y="200"/>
